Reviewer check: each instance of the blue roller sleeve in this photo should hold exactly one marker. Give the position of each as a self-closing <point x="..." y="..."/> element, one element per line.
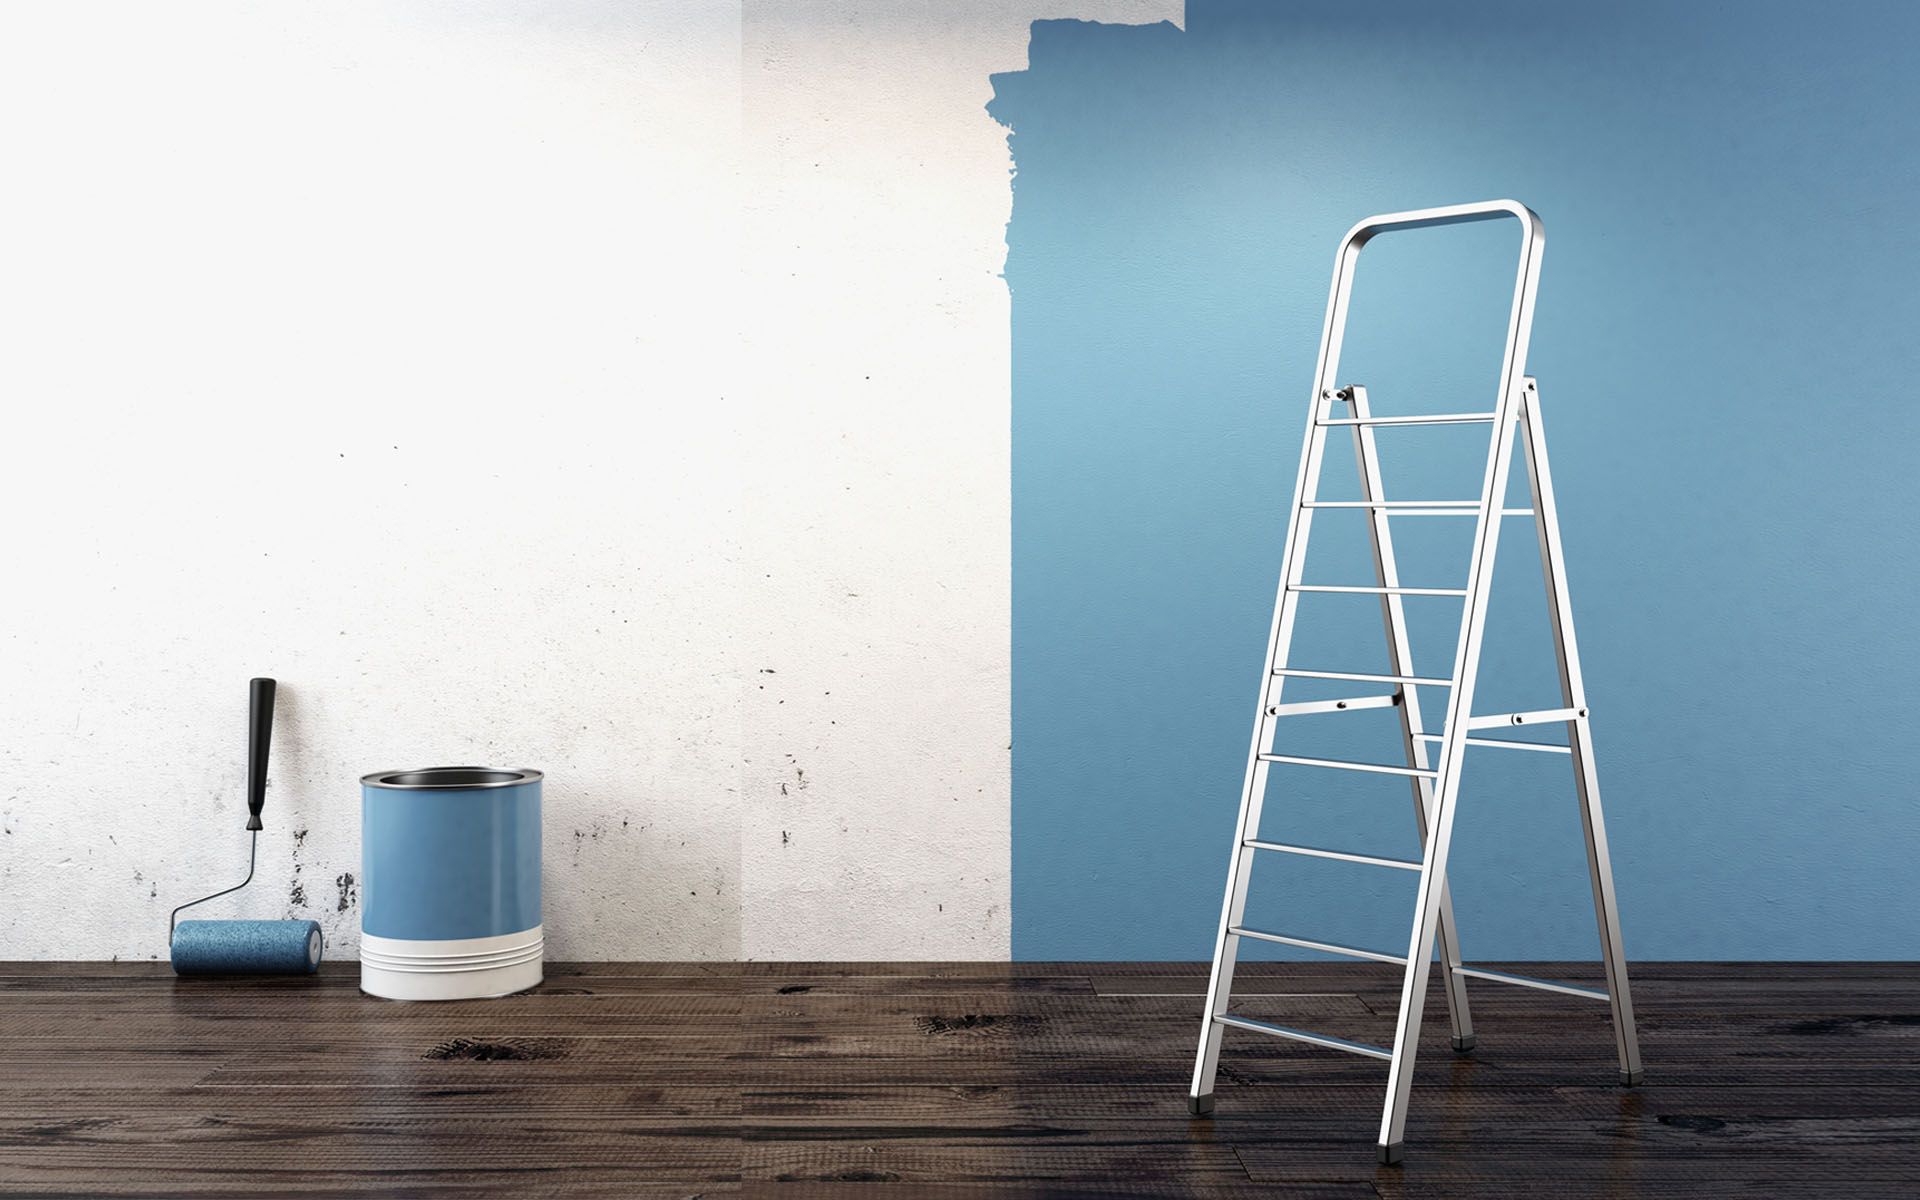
<point x="246" y="947"/>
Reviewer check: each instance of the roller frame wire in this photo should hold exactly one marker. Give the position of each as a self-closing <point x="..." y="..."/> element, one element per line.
<point x="253" y="848"/>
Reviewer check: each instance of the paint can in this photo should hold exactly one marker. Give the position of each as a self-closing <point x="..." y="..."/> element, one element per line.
<point x="450" y="883"/>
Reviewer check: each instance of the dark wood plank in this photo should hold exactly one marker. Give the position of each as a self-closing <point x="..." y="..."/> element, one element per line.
<point x="944" y="1079"/>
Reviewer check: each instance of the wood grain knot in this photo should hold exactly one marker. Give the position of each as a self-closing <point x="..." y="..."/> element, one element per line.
<point x="1695" y="1124"/>
<point x="1848" y="1026"/>
<point x="978" y="1023"/>
<point x="497" y="1050"/>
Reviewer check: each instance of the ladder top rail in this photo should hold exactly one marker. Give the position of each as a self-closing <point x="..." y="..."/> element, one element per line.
<point x="1453" y="214"/>
<point x="1533" y="239"/>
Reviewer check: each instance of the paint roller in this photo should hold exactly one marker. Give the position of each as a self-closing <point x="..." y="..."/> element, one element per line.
<point x="246" y="947"/>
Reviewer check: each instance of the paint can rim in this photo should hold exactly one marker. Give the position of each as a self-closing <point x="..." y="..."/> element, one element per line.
<point x="451" y="779"/>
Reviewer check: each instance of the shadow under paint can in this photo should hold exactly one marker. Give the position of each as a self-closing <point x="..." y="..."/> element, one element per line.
<point x="450" y="883"/>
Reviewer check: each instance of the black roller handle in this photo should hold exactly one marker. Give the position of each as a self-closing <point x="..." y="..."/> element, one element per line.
<point x="259" y="735"/>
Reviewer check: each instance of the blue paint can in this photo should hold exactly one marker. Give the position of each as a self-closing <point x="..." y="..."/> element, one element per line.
<point x="450" y="883"/>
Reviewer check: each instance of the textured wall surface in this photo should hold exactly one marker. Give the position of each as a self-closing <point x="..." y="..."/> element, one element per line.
<point x="1725" y="346"/>
<point x="517" y="383"/>
<point x="876" y="817"/>
<point x="364" y="348"/>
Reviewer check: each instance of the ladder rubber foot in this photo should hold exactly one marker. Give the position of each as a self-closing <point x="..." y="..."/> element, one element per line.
<point x="1200" y="1106"/>
<point x="1462" y="1045"/>
<point x="1390" y="1156"/>
<point x="1633" y="1078"/>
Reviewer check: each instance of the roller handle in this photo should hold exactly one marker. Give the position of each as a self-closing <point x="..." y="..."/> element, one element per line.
<point x="259" y="735"/>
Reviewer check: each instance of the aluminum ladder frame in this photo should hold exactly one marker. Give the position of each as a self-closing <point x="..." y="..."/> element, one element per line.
<point x="1435" y="784"/>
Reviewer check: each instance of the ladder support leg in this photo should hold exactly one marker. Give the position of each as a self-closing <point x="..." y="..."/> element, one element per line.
<point x="1393" y="617"/>
<point x="1580" y="737"/>
<point x="1226" y="946"/>
<point x="1226" y="956"/>
<point x="1466" y="663"/>
<point x="1447" y="944"/>
<point x="1413" y="990"/>
<point x="1606" y="911"/>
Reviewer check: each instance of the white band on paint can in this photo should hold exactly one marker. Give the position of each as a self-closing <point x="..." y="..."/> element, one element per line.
<point x="456" y="969"/>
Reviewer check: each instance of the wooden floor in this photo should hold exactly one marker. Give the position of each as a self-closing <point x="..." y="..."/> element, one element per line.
<point x="932" y="1080"/>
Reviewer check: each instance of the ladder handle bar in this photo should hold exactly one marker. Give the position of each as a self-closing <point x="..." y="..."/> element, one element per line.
<point x="1453" y="214"/>
<point x="1533" y="238"/>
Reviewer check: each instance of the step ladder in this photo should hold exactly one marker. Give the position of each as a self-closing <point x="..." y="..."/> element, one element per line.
<point x="1431" y="762"/>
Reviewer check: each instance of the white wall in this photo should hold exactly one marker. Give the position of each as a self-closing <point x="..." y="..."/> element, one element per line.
<point x="614" y="388"/>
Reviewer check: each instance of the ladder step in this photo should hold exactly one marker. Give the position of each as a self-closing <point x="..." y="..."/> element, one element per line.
<point x="1297" y="673"/>
<point x="1301" y="1035"/>
<point x="1542" y="716"/>
<point x="1462" y="505"/>
<point x="1305" y="707"/>
<point x="1338" y="764"/>
<point x="1545" y="985"/>
<point x="1324" y="947"/>
<point x="1483" y="418"/>
<point x="1544" y="747"/>
<point x="1419" y="508"/>
<point x="1311" y="852"/>
<point x="1379" y="591"/>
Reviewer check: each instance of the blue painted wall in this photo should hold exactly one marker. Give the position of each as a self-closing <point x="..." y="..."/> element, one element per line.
<point x="1726" y="343"/>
